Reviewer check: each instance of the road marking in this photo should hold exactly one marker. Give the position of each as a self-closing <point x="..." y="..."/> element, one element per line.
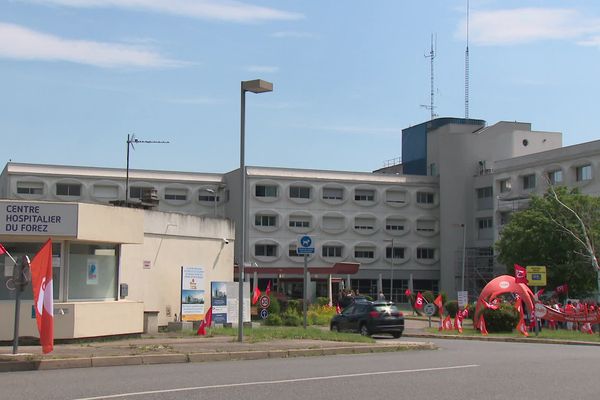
<point x="316" y="378"/>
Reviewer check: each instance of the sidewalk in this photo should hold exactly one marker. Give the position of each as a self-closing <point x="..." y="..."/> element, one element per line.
<point x="163" y="348"/>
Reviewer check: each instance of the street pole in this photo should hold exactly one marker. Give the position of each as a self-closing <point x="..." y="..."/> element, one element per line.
<point x="462" y="284"/>
<point x="305" y="289"/>
<point x="392" y="274"/>
<point x="255" y="86"/>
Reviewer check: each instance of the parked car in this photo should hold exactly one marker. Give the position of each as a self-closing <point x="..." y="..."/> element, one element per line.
<point x="369" y="318"/>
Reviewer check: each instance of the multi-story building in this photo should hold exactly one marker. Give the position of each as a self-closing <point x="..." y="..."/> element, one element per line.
<point x="428" y="223"/>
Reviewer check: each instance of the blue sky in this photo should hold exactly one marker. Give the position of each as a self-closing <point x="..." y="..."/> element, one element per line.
<point x="77" y="76"/>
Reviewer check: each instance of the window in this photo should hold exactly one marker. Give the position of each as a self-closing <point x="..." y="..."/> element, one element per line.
<point x="364" y="252"/>
<point x="106" y="191"/>
<point x="424" y="198"/>
<point x="484" y="198"/>
<point x="30" y="188"/>
<point x="505" y="185"/>
<point x="394" y="252"/>
<point x="485" y="226"/>
<point x="210" y="198"/>
<point x="555" y="177"/>
<point x="292" y="251"/>
<point x="68" y="189"/>
<point x="331" y="251"/>
<point x="364" y="195"/>
<point x="297" y="221"/>
<point x="394" y="225"/>
<point x="93" y="271"/>
<point x="425" y="253"/>
<point x="333" y="194"/>
<point x="299" y="192"/>
<point x="265" y="250"/>
<point x="265" y="220"/>
<point x="364" y="224"/>
<point x="395" y="197"/>
<point x="138" y="192"/>
<point x="485" y="223"/>
<point x="176" y="194"/>
<point x="433" y="171"/>
<point x="333" y="223"/>
<point x="583" y="173"/>
<point x="425" y="226"/>
<point x="529" y="181"/>
<point x="266" y="191"/>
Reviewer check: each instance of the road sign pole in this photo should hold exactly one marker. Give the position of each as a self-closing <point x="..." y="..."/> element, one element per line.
<point x="304" y="301"/>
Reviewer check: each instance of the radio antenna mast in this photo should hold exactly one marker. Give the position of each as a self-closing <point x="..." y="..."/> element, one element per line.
<point x="131" y="140"/>
<point x="431" y="56"/>
<point x="467" y="68"/>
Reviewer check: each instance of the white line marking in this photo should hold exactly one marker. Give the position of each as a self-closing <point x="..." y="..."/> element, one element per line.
<point x="316" y="378"/>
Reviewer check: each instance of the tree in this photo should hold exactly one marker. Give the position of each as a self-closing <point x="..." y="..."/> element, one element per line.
<point x="558" y="230"/>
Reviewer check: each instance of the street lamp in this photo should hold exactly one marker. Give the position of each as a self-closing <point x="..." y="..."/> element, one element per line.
<point x="462" y="279"/>
<point x="254" y="86"/>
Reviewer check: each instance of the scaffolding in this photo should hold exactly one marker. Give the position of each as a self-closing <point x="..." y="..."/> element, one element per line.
<point x="480" y="268"/>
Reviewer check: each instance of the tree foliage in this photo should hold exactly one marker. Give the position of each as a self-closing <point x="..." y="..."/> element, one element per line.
<point x="549" y="233"/>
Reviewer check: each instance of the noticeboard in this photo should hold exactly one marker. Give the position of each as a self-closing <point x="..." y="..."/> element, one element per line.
<point x="536" y="275"/>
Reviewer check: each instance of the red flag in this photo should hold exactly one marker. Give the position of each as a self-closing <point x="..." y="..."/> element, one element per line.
<point x="338" y="310"/>
<point x="206" y="322"/>
<point x="458" y="322"/>
<point x="41" y="280"/>
<point x="439" y="303"/>
<point x="481" y="326"/>
<point x="562" y="289"/>
<point x="539" y="293"/>
<point x="407" y="292"/>
<point x="520" y="274"/>
<point x="268" y="289"/>
<point x="419" y="301"/>
<point x="2" y="249"/>
<point x="447" y="325"/>
<point x="256" y="295"/>
<point x="522" y="327"/>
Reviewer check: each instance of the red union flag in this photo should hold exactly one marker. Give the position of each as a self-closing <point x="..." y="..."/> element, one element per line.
<point x="520" y="274"/>
<point x="268" y="289"/>
<point x="41" y="279"/>
<point x="419" y="301"/>
<point x="256" y="295"/>
<point x="407" y="292"/>
<point x="206" y="322"/>
<point x="2" y="249"/>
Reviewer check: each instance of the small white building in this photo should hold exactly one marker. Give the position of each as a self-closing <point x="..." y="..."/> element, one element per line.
<point x="137" y="257"/>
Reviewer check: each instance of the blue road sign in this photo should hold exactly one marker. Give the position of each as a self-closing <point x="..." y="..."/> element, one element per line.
<point x="264" y="313"/>
<point x="305" y="241"/>
<point x="305" y="250"/>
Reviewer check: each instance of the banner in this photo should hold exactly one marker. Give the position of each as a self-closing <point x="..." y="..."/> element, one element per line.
<point x="224" y="301"/>
<point x="544" y="312"/>
<point x="192" y="293"/>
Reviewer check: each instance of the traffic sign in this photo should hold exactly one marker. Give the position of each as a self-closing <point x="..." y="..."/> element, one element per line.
<point x="264" y="301"/>
<point x="264" y="313"/>
<point x="305" y="245"/>
<point x="429" y="309"/>
<point x="536" y="275"/>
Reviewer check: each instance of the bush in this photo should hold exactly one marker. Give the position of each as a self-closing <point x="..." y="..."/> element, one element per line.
<point x="291" y="318"/>
<point x="320" y="315"/>
<point x="295" y="306"/>
<point x="274" y="307"/>
<point x="273" y="320"/>
<point x="504" y="319"/>
<point x="322" y="301"/>
<point x="451" y="307"/>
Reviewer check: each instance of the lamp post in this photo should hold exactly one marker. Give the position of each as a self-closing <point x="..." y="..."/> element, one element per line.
<point x="254" y="86"/>
<point x="462" y="282"/>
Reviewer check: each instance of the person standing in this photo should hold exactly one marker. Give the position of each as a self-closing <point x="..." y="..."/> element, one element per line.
<point x="381" y="296"/>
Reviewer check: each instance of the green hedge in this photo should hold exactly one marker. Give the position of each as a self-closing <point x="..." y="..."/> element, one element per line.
<point x="504" y="319"/>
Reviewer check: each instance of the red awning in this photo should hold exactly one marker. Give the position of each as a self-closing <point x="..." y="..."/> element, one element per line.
<point x="341" y="268"/>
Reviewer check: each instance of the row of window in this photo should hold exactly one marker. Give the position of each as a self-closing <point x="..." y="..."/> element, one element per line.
<point x="333" y="222"/>
<point x="337" y="251"/>
<point x="111" y="192"/>
<point x="582" y="173"/>
<point x="338" y="194"/>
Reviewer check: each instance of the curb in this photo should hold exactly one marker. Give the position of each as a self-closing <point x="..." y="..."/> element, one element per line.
<point x="111" y="361"/>
<point x="529" y="339"/>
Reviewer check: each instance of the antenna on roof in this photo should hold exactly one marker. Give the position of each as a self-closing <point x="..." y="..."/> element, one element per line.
<point x="431" y="56"/>
<point x="467" y="68"/>
<point x="131" y="139"/>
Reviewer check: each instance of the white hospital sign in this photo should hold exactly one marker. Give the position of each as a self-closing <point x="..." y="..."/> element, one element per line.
<point x="45" y="219"/>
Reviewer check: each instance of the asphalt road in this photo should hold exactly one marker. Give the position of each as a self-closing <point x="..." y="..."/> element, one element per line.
<point x="458" y="370"/>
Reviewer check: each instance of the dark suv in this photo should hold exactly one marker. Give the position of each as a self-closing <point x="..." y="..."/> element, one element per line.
<point x="369" y="318"/>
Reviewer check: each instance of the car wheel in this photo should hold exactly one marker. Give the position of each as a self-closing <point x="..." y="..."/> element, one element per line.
<point x="396" y="335"/>
<point x="335" y="328"/>
<point x="364" y="330"/>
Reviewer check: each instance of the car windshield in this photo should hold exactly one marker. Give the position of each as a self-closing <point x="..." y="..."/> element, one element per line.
<point x="386" y="308"/>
